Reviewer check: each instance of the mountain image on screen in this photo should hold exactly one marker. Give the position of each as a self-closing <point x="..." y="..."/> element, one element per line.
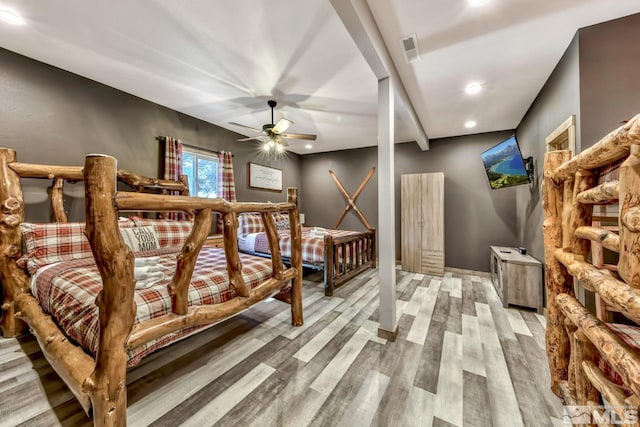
<point x="504" y="166"/>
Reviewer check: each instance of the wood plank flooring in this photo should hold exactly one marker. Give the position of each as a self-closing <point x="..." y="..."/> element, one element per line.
<point x="460" y="359"/>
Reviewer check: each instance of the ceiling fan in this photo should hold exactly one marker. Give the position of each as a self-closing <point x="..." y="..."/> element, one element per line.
<point x="273" y="135"/>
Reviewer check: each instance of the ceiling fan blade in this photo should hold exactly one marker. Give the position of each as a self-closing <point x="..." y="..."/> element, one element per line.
<point x="246" y="127"/>
<point x="281" y="126"/>
<point x="250" y="138"/>
<point x="299" y="136"/>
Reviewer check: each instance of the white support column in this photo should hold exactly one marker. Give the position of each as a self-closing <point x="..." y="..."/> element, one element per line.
<point x="386" y="212"/>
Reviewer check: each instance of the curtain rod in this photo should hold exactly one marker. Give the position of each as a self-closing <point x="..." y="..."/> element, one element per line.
<point x="162" y="139"/>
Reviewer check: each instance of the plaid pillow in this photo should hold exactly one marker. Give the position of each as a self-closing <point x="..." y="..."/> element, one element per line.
<point x="252" y="223"/>
<point x="50" y="243"/>
<point x="169" y="232"/>
<point x="282" y="221"/>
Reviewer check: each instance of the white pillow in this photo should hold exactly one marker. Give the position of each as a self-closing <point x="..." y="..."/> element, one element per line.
<point x="140" y="238"/>
<point x="239" y="231"/>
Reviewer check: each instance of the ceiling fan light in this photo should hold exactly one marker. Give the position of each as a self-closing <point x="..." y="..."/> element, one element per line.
<point x="266" y="147"/>
<point x="473" y="88"/>
<point x="279" y="148"/>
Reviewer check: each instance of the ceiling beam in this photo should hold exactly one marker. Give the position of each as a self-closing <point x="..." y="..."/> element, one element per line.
<point x="359" y="21"/>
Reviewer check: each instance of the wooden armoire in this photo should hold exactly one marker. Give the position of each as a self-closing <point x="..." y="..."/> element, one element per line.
<point x="422" y="223"/>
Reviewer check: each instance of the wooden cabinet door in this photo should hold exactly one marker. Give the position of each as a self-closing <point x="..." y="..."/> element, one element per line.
<point x="410" y="218"/>
<point x="432" y="232"/>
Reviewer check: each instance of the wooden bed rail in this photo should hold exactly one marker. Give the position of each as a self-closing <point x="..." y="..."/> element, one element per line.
<point x="569" y="194"/>
<point x="340" y="263"/>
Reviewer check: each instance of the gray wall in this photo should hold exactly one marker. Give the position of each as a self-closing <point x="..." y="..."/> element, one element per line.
<point x="596" y="80"/>
<point x="558" y="99"/>
<point x="609" y="76"/>
<point x="476" y="217"/>
<point x="55" y="117"/>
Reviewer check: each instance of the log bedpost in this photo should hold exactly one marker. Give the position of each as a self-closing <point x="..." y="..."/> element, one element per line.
<point x="374" y="254"/>
<point x="13" y="279"/>
<point x="557" y="279"/>
<point x="629" y="221"/>
<point x="329" y="266"/>
<point x="107" y="384"/>
<point x="296" y="258"/>
<point x="179" y="286"/>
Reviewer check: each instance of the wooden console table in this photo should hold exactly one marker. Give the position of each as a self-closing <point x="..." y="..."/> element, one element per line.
<point x="517" y="278"/>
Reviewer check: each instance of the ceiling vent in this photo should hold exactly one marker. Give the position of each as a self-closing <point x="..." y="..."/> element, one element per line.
<point x="410" y="48"/>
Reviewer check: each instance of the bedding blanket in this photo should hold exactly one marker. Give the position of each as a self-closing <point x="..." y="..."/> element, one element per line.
<point x="67" y="290"/>
<point x="312" y="245"/>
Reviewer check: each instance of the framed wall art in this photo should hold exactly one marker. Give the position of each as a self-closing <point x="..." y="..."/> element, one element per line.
<point x="264" y="177"/>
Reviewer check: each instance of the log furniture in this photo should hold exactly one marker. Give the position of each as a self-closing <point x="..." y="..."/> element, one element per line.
<point x="517" y="278"/>
<point x="589" y="359"/>
<point x="96" y="375"/>
<point x="319" y="251"/>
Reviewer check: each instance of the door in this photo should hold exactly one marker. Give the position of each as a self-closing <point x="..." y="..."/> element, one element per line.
<point x="410" y="218"/>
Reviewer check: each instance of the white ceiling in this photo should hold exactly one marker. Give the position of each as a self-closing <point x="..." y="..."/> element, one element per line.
<point x="221" y="61"/>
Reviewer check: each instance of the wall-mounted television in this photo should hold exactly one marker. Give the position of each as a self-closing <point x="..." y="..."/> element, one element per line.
<point x="504" y="165"/>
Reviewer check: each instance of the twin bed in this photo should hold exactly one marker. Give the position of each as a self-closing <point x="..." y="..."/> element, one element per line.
<point x="321" y="248"/>
<point x="101" y="295"/>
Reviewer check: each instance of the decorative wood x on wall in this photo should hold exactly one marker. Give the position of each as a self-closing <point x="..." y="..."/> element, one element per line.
<point x="351" y="201"/>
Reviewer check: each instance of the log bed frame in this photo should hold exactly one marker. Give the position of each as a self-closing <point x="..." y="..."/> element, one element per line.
<point x="100" y="383"/>
<point x="576" y="340"/>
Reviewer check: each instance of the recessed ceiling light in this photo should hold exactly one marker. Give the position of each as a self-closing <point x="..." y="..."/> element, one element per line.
<point x="470" y="124"/>
<point x="308" y="146"/>
<point x="11" y="17"/>
<point x="473" y="88"/>
<point x="476" y="3"/>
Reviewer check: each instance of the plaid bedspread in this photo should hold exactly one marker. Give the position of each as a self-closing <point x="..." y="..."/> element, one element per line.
<point x="68" y="290"/>
<point x="312" y="247"/>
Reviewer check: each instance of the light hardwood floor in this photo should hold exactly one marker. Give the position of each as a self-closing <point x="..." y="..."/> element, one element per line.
<point x="460" y="359"/>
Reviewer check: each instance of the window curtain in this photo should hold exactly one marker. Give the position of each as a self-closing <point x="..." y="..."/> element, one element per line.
<point x="226" y="182"/>
<point x="173" y="167"/>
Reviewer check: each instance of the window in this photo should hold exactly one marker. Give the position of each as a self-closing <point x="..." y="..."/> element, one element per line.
<point x="201" y="169"/>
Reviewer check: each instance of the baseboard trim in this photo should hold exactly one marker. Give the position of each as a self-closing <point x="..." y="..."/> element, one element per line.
<point x="470" y="272"/>
<point x="388" y="335"/>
